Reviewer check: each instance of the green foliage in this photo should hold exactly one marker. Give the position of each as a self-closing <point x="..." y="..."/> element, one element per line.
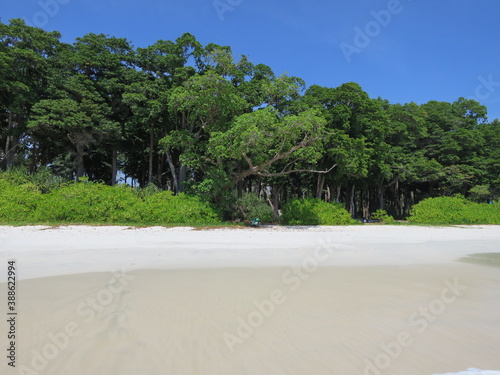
<point x="90" y="203"/>
<point x="165" y="208"/>
<point x="218" y="191"/>
<point x="313" y="211"/>
<point x="147" y="191"/>
<point x="264" y="137"/>
<point x="94" y="203"/>
<point x="17" y="201"/>
<point x="383" y="216"/>
<point x="480" y="193"/>
<point x="250" y="206"/>
<point x="16" y="176"/>
<point x="45" y="180"/>
<point x="454" y="210"/>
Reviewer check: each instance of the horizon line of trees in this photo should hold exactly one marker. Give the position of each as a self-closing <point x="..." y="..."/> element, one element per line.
<point x="192" y="118"/>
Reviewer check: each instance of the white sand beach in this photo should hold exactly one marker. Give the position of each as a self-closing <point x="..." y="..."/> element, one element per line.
<point x="314" y="300"/>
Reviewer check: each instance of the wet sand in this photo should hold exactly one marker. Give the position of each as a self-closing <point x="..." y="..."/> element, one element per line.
<point x="305" y="317"/>
<point x="338" y="320"/>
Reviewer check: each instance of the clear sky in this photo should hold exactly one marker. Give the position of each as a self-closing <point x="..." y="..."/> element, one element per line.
<point x="407" y="50"/>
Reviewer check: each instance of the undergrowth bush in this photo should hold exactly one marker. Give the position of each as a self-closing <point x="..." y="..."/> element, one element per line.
<point x="454" y="210"/>
<point x="314" y="211"/>
<point x="147" y="191"/>
<point x="90" y="203"/>
<point x="166" y="208"/>
<point x="383" y="216"/>
<point x="22" y="202"/>
<point x="43" y="179"/>
<point x="250" y="206"/>
<point x="18" y="202"/>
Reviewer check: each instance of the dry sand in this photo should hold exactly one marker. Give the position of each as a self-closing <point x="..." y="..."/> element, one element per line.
<point x="322" y="300"/>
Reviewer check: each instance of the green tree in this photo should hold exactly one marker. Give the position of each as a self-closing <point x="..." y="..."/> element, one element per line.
<point x="84" y="123"/>
<point x="25" y="68"/>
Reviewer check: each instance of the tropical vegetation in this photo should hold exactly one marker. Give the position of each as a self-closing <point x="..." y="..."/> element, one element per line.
<point x="226" y="137"/>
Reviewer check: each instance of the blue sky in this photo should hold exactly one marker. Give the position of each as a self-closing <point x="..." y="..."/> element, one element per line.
<point x="403" y="51"/>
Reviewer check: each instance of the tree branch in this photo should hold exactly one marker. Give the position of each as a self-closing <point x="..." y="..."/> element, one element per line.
<point x="293" y="171"/>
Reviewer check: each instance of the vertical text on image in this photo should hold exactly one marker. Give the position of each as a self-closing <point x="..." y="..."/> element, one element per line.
<point x="11" y="312"/>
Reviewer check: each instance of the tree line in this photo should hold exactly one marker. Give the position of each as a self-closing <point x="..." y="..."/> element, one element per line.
<point x="197" y="119"/>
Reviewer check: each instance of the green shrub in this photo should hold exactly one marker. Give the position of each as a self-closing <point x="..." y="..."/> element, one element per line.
<point x="454" y="210"/>
<point x="17" y="202"/>
<point x="480" y="193"/>
<point x="90" y="203"/>
<point x="250" y="206"/>
<point x="16" y="176"/>
<point x="43" y="179"/>
<point x="313" y="211"/>
<point x="165" y="208"/>
<point x="147" y="191"/>
<point x="46" y="181"/>
<point x="383" y="216"/>
<point x="217" y="189"/>
<point x="21" y="201"/>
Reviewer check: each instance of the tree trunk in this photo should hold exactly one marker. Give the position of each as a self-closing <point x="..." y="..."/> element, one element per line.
<point x="159" y="172"/>
<point x="398" y="200"/>
<point x="240" y="189"/>
<point x="352" y="208"/>
<point x="80" y="167"/>
<point x="339" y="192"/>
<point x="366" y="205"/>
<point x="328" y="195"/>
<point x="175" y="181"/>
<point x="320" y="185"/>
<point x="151" y="155"/>
<point x="276" y="192"/>
<point x="10" y="145"/>
<point x="7" y="153"/>
<point x="114" y="166"/>
<point x="381" y="191"/>
<point x="182" y="176"/>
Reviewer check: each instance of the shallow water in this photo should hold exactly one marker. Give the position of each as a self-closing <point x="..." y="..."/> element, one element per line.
<point x="486" y="259"/>
<point x="473" y="371"/>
